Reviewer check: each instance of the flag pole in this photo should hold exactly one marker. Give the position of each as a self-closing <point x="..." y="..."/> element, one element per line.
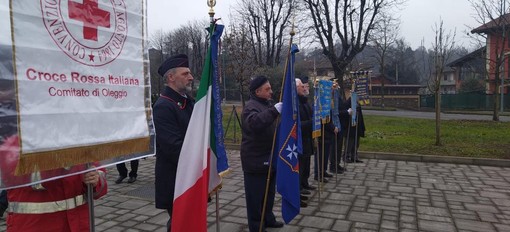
<point x="321" y="164"/>
<point x="217" y="211"/>
<point x="211" y="4"/>
<point x="316" y="140"/>
<point x="90" y="203"/>
<point x="292" y="33"/>
<point x="336" y="159"/>
<point x="318" y="179"/>
<point x="335" y="101"/>
<point x="356" y="125"/>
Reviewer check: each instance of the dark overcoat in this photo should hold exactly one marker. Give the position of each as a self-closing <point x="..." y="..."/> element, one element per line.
<point x="172" y="113"/>
<point x="258" y="127"/>
<point x="346" y="122"/>
<point x="306" y="117"/>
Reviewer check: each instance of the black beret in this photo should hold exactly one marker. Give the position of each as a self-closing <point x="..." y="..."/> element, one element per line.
<point x="304" y="79"/>
<point x="256" y="82"/>
<point x="176" y="61"/>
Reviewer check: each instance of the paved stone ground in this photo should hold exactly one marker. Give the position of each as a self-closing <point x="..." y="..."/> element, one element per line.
<point x="378" y="195"/>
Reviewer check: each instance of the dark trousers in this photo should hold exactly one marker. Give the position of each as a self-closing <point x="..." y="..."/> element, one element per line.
<point x="254" y="188"/>
<point x="124" y="172"/>
<point x="304" y="170"/>
<point x="3" y="199"/>
<point x="336" y="149"/>
<point x="321" y="161"/>
<point x="351" y="150"/>
<point x="169" y="223"/>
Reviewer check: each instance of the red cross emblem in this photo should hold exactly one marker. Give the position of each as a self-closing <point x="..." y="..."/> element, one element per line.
<point x="78" y="37"/>
<point x="91" y="15"/>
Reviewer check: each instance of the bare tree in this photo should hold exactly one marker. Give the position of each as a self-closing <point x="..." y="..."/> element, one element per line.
<point x="266" y="22"/>
<point x="442" y="49"/>
<point x="386" y="32"/>
<point x="157" y="41"/>
<point x="197" y="44"/>
<point x="239" y="56"/>
<point x="494" y="19"/>
<point x="347" y="22"/>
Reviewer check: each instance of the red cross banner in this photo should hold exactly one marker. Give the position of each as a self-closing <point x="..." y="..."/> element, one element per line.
<point x="74" y="86"/>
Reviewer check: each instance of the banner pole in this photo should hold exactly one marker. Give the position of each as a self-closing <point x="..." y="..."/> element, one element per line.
<point x="318" y="179"/>
<point x="217" y="211"/>
<point x="336" y="159"/>
<point x="356" y="141"/>
<point x="346" y="147"/>
<point x="90" y="203"/>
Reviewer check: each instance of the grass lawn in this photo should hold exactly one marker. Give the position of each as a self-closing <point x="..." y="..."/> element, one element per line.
<point x="481" y="139"/>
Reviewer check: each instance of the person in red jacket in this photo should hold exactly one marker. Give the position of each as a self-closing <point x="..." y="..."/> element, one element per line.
<point x="56" y="205"/>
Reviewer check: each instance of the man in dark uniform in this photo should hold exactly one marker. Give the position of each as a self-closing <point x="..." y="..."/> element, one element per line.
<point x="172" y="112"/>
<point x="258" y="127"/>
<point x="306" y="117"/>
<point x="336" y="146"/>
<point x="351" y="132"/>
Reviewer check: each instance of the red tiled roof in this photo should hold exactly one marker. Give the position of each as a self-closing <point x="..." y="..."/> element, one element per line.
<point x="493" y="25"/>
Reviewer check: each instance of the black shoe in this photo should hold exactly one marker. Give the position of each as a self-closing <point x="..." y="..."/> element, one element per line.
<point x="358" y="161"/>
<point x="303" y="204"/>
<point x="309" y="187"/>
<point x="323" y="180"/>
<point x="338" y="170"/>
<point x="327" y="175"/>
<point x="2" y="211"/>
<point x="305" y="192"/>
<point x="120" y="179"/>
<point x="349" y="161"/>
<point x="276" y="224"/>
<point x="132" y="179"/>
<point x="303" y="197"/>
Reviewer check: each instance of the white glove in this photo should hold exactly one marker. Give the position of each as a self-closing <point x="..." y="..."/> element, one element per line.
<point x="349" y="111"/>
<point x="278" y="107"/>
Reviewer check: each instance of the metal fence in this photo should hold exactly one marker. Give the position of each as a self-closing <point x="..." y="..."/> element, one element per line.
<point x="471" y="101"/>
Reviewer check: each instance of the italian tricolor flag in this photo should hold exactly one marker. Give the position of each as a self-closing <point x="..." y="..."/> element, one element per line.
<point x="197" y="171"/>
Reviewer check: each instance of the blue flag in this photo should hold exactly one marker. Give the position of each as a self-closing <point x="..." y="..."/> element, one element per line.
<point x="354" y="105"/>
<point x="217" y="116"/>
<point x="316" y="112"/>
<point x="335" y="98"/>
<point x="288" y="145"/>
<point x="325" y="99"/>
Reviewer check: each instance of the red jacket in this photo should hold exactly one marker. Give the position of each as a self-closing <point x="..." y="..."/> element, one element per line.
<point x="54" y="197"/>
<point x="76" y="219"/>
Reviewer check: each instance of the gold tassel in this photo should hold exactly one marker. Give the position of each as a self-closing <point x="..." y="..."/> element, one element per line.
<point x="48" y="160"/>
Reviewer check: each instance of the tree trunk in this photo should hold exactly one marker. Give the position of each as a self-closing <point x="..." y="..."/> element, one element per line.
<point x="438" y="117"/>
<point x="497" y="73"/>
<point x="241" y="94"/>
<point x="495" y="113"/>
<point x="383" y="79"/>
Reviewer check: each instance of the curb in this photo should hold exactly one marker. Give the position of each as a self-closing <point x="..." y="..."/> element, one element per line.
<point x="435" y="159"/>
<point x="420" y="158"/>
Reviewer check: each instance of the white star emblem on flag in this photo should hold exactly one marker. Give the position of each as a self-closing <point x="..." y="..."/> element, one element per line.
<point x="293" y="151"/>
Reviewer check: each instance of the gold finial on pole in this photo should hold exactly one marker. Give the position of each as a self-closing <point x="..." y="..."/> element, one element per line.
<point x="211" y="4"/>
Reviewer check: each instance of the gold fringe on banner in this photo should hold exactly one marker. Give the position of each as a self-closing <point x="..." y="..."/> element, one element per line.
<point x="48" y="160"/>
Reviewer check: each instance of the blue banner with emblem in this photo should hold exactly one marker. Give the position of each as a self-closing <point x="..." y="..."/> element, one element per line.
<point x="316" y="132"/>
<point x="289" y="145"/>
<point x="325" y="99"/>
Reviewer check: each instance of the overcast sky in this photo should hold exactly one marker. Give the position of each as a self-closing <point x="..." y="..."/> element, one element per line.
<point x="418" y="17"/>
